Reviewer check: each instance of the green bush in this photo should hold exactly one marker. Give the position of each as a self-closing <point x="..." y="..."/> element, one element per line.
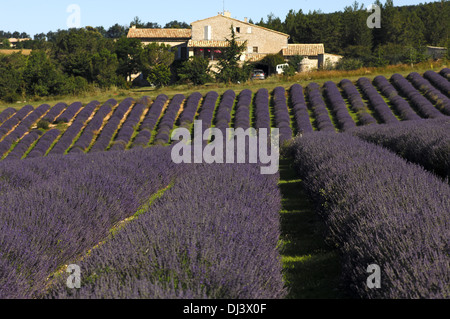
<point x="159" y="75"/>
<point x="195" y="70"/>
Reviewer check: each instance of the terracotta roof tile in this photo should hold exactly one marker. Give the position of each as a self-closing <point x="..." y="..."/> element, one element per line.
<point x="304" y="49"/>
<point x="209" y="43"/>
<point x="159" y="33"/>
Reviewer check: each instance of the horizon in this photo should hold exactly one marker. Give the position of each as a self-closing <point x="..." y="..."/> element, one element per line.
<point x="53" y="15"/>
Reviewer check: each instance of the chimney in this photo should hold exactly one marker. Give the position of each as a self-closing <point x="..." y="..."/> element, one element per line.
<point x="245" y="20"/>
<point x="227" y="13"/>
<point x="133" y="27"/>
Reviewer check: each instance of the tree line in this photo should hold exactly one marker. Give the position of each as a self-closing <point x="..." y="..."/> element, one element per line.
<point x="404" y="32"/>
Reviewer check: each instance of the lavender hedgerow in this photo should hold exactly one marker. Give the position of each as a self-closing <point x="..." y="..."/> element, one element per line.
<point x="262" y="112"/>
<point x="69" y="112"/>
<point x="6" y="114"/>
<point x="73" y="130"/>
<point x="399" y="104"/>
<point x="441" y="101"/>
<point x="322" y="118"/>
<point x="23" y="145"/>
<point x="54" y="112"/>
<point x="15" y="119"/>
<point x="168" y="120"/>
<point x="242" y="115"/>
<point x="301" y="114"/>
<point x="368" y="198"/>
<point x="223" y="115"/>
<point x="22" y="128"/>
<point x="94" y="125"/>
<point x="421" y="104"/>
<point x="438" y="81"/>
<point x="338" y="106"/>
<point x="426" y="143"/>
<point x="55" y="209"/>
<point x="357" y="105"/>
<point x="445" y="72"/>
<point x="190" y="109"/>
<point x="177" y="248"/>
<point x="129" y="127"/>
<point x="378" y="104"/>
<point x="149" y="122"/>
<point x="206" y="112"/>
<point x="44" y="143"/>
<point x="281" y="114"/>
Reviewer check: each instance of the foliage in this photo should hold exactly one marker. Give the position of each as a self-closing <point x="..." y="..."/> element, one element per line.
<point x="196" y="70"/>
<point x="271" y="61"/>
<point x="11" y="70"/>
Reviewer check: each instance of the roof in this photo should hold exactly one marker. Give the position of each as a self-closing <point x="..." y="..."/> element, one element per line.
<point x="209" y="44"/>
<point x="243" y="22"/>
<point x="309" y="49"/>
<point x="159" y="33"/>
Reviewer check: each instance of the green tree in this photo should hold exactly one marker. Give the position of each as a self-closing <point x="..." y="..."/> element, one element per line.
<point x="228" y="65"/>
<point x="196" y="70"/>
<point x="159" y="75"/>
<point x="128" y="51"/>
<point x="271" y="61"/>
<point x="155" y="59"/>
<point x="11" y="79"/>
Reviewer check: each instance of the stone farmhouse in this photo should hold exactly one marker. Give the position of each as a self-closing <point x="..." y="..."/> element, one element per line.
<point x="207" y="38"/>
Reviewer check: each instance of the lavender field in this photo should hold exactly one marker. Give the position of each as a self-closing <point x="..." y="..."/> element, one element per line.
<point x="94" y="185"/>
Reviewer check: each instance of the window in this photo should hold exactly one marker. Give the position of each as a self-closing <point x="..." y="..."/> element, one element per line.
<point x="249" y="30"/>
<point x="238" y="30"/>
<point x="207" y="32"/>
<point x="255" y="49"/>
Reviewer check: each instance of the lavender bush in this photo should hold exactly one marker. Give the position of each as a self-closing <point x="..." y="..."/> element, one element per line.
<point x="207" y="109"/>
<point x="54" y="112"/>
<point x="300" y="109"/>
<point x="281" y="114"/>
<point x="378" y="104"/>
<point x="368" y="198"/>
<point x="44" y="143"/>
<point x="242" y="115"/>
<point x="445" y="72"/>
<point x="69" y="113"/>
<point x="190" y="110"/>
<point x="318" y="107"/>
<point x="167" y="122"/>
<point x="438" y="81"/>
<point x="357" y="105"/>
<point x="421" y="104"/>
<point x="223" y="115"/>
<point x="23" y="145"/>
<point x="338" y="106"/>
<point x="262" y="112"/>
<point x="6" y="114"/>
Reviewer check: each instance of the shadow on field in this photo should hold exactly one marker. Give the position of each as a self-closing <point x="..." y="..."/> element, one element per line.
<point x="311" y="267"/>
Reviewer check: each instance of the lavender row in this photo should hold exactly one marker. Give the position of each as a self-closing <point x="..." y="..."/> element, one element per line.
<point x="44" y="143"/>
<point x="23" y="145"/>
<point x="399" y="104"/>
<point x="22" y="128"/>
<point x="445" y="72"/>
<point x="107" y="133"/>
<point x="356" y="103"/>
<point x="149" y="122"/>
<point x="15" y="119"/>
<point x="379" y="209"/>
<point x="378" y="104"/>
<point x="262" y="112"/>
<point x="92" y="128"/>
<point x="242" y="114"/>
<point x="69" y="113"/>
<point x="168" y="120"/>
<point x="438" y="81"/>
<point x="223" y="114"/>
<point x="128" y="128"/>
<point x="426" y="143"/>
<point x="206" y="113"/>
<point x="281" y="114"/>
<point x="421" y="104"/>
<point x="54" y="112"/>
<point x="177" y="248"/>
<point x="6" y="114"/>
<point x="190" y="110"/>
<point x="300" y="109"/>
<point x="323" y="120"/>
<point x="441" y="101"/>
<point x="73" y="130"/>
<point x="338" y="106"/>
<point x="60" y="217"/>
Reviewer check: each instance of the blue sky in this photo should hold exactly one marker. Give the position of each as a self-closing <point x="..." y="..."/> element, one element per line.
<point x="35" y="17"/>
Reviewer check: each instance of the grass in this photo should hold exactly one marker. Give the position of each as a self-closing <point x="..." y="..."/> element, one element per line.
<point x="311" y="267"/>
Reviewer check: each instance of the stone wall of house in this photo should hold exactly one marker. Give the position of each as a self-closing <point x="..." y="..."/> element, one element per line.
<point x="308" y="64"/>
<point x="330" y="60"/>
<point x="265" y="40"/>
